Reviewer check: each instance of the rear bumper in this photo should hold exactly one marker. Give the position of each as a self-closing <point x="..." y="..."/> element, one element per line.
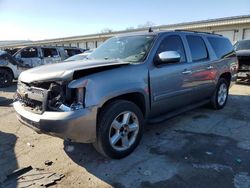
<point x="77" y="126"/>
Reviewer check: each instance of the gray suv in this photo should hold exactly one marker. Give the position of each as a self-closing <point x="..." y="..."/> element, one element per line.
<point x="127" y="81"/>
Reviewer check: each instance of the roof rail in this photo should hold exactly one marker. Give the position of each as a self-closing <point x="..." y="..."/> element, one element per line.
<point x="197" y="32"/>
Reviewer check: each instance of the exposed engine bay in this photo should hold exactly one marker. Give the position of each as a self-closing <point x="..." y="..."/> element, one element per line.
<point x="49" y="96"/>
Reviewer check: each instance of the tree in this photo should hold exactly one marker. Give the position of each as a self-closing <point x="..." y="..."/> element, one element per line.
<point x="145" y="25"/>
<point x="106" y="30"/>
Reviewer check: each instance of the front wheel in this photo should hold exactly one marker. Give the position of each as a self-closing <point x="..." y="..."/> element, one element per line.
<point x="119" y="129"/>
<point x="219" y="98"/>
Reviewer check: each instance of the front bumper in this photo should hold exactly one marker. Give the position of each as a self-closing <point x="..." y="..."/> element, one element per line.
<point x="77" y="126"/>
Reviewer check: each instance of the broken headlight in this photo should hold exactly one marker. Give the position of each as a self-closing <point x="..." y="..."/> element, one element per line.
<point x="77" y="104"/>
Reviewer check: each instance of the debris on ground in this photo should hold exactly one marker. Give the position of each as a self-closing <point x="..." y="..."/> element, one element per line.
<point x="48" y="163"/>
<point x="39" y="169"/>
<point x="30" y="145"/>
<point x="147" y="173"/>
<point x="238" y="161"/>
<point x="31" y="177"/>
<point x="209" y="153"/>
<point x="69" y="148"/>
<point x="19" y="171"/>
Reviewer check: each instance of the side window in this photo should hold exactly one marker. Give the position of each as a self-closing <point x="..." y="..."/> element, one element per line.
<point x="198" y="48"/>
<point x="173" y="43"/>
<point x="221" y="46"/>
<point x="29" y="53"/>
<point x="71" y="52"/>
<point x="49" y="52"/>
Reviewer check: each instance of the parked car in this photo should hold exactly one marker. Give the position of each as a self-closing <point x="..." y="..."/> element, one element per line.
<point x="127" y="81"/>
<point x="80" y="56"/>
<point x="29" y="57"/>
<point x="242" y="49"/>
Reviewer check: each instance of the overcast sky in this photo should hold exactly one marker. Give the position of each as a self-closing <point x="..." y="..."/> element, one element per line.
<point x="44" y="19"/>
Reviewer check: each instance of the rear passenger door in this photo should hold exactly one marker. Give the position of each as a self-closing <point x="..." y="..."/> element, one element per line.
<point x="50" y="55"/>
<point x="170" y="84"/>
<point x="203" y="71"/>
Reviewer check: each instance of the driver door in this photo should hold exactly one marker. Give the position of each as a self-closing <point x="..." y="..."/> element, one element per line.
<point x="171" y="84"/>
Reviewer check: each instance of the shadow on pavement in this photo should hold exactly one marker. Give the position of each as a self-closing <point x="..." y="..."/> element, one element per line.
<point x="9" y="89"/>
<point x="5" y="101"/>
<point x="6" y="95"/>
<point x="8" y="162"/>
<point x="172" y="158"/>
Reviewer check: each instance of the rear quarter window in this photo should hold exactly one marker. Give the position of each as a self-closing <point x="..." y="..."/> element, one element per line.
<point x="197" y="48"/>
<point x="221" y="46"/>
<point x="71" y="52"/>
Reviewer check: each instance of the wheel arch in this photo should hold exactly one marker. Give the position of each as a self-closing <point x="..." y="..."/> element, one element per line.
<point x="227" y="76"/>
<point x="8" y="69"/>
<point x="137" y="98"/>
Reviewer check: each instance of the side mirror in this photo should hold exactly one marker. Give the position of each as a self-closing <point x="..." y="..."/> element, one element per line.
<point x="169" y="57"/>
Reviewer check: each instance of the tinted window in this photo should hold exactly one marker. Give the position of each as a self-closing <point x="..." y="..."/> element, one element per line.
<point x="197" y="47"/>
<point x="221" y="46"/>
<point x="71" y="52"/>
<point x="173" y="43"/>
<point x="29" y="53"/>
<point x="50" y="52"/>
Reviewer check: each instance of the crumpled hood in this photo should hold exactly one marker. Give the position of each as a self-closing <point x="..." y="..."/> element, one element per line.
<point x="63" y="71"/>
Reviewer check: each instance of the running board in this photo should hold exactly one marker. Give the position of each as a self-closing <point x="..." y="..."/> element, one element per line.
<point x="167" y="116"/>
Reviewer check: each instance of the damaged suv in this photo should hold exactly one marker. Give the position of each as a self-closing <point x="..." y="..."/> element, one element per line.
<point x="29" y="57"/>
<point x="242" y="49"/>
<point x="127" y="81"/>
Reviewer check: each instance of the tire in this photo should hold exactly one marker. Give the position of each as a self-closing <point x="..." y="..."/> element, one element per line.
<point x="6" y="78"/>
<point x="119" y="129"/>
<point x="220" y="95"/>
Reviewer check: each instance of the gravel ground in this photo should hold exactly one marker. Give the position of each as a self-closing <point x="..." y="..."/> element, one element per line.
<point x="200" y="148"/>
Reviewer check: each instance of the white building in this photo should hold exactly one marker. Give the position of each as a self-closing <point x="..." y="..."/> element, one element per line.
<point x="235" y="28"/>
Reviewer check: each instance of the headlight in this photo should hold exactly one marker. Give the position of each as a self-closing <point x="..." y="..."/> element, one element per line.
<point x="79" y="103"/>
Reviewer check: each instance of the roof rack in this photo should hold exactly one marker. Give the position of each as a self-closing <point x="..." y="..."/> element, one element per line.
<point x="197" y="32"/>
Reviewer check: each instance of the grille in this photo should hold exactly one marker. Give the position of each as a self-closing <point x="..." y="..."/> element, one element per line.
<point x="28" y="102"/>
<point x="34" y="98"/>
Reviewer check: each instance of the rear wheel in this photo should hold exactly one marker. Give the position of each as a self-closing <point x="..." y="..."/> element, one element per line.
<point x="219" y="98"/>
<point x="119" y="129"/>
<point x="6" y="78"/>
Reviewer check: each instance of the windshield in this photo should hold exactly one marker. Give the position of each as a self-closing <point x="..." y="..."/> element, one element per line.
<point x="129" y="48"/>
<point x="242" y="45"/>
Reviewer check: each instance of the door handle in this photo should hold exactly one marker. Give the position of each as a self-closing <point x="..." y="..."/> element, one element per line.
<point x="210" y="67"/>
<point x="187" y="72"/>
